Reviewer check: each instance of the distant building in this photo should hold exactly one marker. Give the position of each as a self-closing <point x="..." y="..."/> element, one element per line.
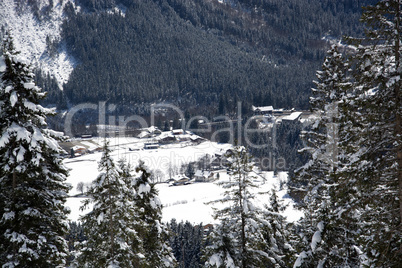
<point x="182" y="180"/>
<point x="196" y="139"/>
<point x="177" y="131"/>
<point x="203" y="176"/>
<point x="144" y="134"/>
<point x="151" y="146"/>
<point x="78" y="150"/>
<point x="182" y="138"/>
<point x="167" y="140"/>
<point x="149" y="132"/>
<point x="263" y="110"/>
<point x="293" y="116"/>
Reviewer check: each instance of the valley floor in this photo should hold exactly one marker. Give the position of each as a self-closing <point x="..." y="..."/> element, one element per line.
<point x="185" y="202"/>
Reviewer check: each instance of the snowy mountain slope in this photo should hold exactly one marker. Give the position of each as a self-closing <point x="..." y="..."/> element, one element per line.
<point x="30" y="35"/>
<point x="185" y="202"/>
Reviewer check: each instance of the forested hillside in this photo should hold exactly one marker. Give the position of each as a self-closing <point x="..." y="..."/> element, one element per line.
<point x="194" y="52"/>
<point x="350" y="189"/>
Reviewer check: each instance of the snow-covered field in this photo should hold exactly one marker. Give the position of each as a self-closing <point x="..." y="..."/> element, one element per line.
<point x="185" y="202"/>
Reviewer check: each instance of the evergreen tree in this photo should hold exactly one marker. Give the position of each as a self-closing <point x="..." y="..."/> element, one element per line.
<point x="110" y="226"/>
<point x="376" y="166"/>
<point x="222" y="250"/>
<point x="32" y="175"/>
<point x="276" y="234"/>
<point x="152" y="232"/>
<point x="366" y="205"/>
<point x="236" y="241"/>
<point x="74" y="237"/>
<point x="325" y="240"/>
<point x="320" y="138"/>
<point x="186" y="241"/>
<point x="190" y="170"/>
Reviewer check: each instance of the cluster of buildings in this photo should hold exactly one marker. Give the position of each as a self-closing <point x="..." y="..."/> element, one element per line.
<point x="269" y="116"/>
<point x="156" y="138"/>
<point x="211" y="166"/>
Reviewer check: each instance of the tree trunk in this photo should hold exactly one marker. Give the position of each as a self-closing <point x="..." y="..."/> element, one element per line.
<point x="398" y="121"/>
<point x="14" y="180"/>
<point x="243" y="224"/>
<point x="111" y="232"/>
<point x="14" y="204"/>
<point x="111" y="217"/>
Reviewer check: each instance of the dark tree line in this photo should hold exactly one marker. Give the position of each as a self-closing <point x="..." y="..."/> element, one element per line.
<point x="203" y="56"/>
<point x="187" y="242"/>
<point x="196" y="52"/>
<point x="278" y="148"/>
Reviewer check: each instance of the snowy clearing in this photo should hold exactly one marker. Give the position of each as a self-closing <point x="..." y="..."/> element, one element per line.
<point x="186" y="202"/>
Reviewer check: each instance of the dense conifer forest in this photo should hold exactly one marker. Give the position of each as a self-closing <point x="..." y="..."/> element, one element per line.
<point x="350" y="187"/>
<point x="203" y="56"/>
<point x="193" y="53"/>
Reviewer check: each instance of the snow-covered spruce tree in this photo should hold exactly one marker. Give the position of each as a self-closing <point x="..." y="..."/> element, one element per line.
<point x="376" y="171"/>
<point x="221" y="247"/>
<point x="33" y="218"/>
<point x="236" y="241"/>
<point x="110" y="226"/>
<point x="152" y="233"/>
<point x="276" y="234"/>
<point x="320" y="136"/>
<point x="326" y="240"/>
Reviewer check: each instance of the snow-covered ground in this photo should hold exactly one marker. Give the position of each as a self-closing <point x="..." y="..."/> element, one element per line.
<point x="187" y="202"/>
